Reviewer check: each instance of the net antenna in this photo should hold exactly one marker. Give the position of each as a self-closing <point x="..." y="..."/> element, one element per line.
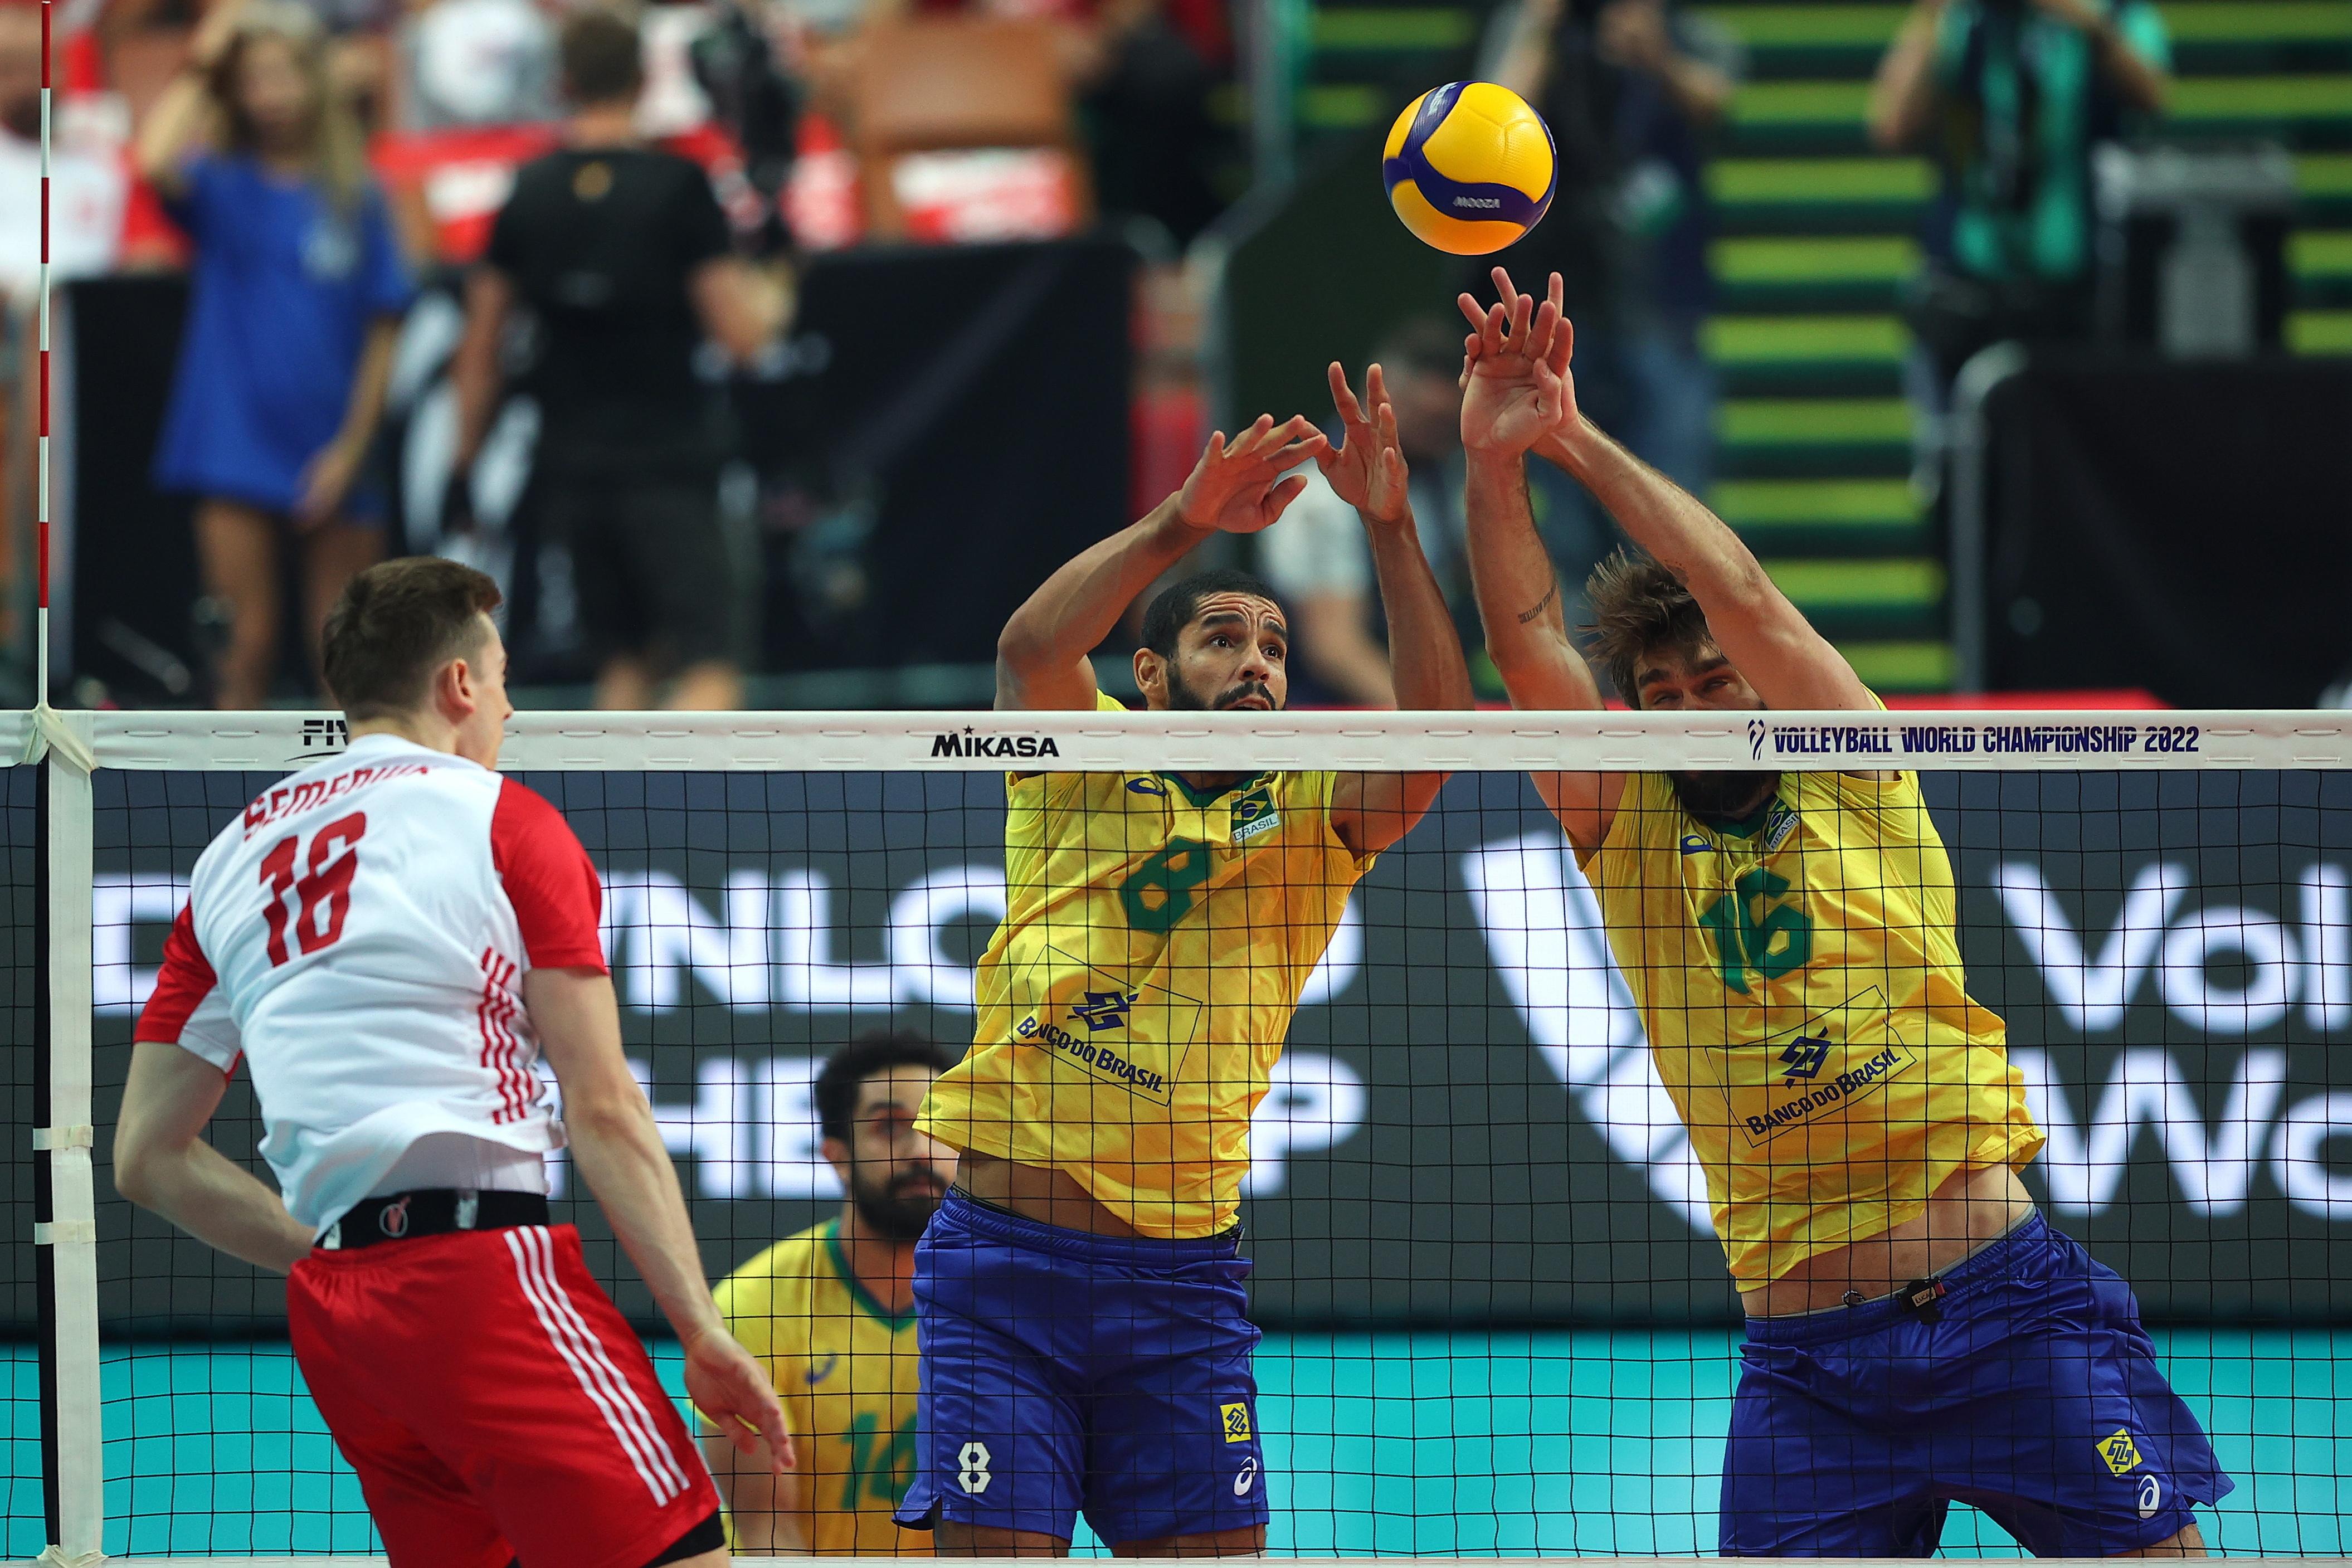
<point x="64" y="1228"/>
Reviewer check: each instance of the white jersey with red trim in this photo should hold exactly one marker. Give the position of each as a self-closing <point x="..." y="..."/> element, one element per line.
<point x="360" y="934"/>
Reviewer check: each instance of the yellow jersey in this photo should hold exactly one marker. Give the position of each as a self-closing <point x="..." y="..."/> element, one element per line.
<point x="846" y="1371"/>
<point x="1800" y="979"/>
<point x="1138" y="992"/>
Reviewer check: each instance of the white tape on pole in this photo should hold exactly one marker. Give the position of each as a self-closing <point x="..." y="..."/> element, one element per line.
<point x="82" y="1503"/>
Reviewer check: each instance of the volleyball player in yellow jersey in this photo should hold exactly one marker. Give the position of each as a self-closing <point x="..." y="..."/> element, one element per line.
<point x="1085" y="1346"/>
<point x="1916" y="1334"/>
<point x="830" y="1312"/>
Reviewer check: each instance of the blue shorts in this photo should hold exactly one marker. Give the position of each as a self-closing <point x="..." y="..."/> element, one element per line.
<point x="1065" y="1372"/>
<point x="2035" y="1396"/>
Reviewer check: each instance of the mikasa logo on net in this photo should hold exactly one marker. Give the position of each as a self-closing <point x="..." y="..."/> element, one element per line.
<point x="973" y="744"/>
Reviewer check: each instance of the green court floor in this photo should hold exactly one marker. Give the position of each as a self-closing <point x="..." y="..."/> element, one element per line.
<point x="1507" y="1443"/>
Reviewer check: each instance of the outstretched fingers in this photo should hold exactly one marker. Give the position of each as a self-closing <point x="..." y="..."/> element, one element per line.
<point x="1251" y="438"/>
<point x="1279" y="499"/>
<point x="1521" y="316"/>
<point x="1296" y="452"/>
<point x="1343" y="398"/>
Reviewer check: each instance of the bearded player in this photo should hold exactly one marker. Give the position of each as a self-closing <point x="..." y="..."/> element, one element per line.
<point x="1916" y="1333"/>
<point x="831" y="1313"/>
<point x="390" y="940"/>
<point x="1080" y="1293"/>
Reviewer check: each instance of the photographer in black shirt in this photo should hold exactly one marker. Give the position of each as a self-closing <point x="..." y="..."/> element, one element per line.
<point x="621" y="255"/>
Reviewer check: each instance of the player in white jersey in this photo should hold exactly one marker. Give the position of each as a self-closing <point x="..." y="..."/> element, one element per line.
<point x="390" y="939"/>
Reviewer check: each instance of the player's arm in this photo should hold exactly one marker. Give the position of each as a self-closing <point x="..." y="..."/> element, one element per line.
<point x="1789" y="663"/>
<point x="619" y="1154"/>
<point x="1372" y="811"/>
<point x="182" y="118"/>
<point x="1516" y="390"/>
<point x="1237" y="487"/>
<point x="185" y="1043"/>
<point x="1902" y="92"/>
<point x="763" y="1505"/>
<point x="161" y="1161"/>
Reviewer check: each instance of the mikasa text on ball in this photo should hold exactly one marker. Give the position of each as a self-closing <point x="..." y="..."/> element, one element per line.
<point x="1469" y="167"/>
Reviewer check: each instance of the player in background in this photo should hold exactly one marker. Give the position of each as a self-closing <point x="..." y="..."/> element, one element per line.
<point x="1916" y="1333"/>
<point x="391" y="938"/>
<point x="831" y="1313"/>
<point x="1084" y="1338"/>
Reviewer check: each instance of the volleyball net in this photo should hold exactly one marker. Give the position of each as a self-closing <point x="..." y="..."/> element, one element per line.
<point x="1499" y="1320"/>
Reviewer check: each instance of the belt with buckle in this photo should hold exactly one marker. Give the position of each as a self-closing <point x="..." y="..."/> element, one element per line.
<point x="431" y="1211"/>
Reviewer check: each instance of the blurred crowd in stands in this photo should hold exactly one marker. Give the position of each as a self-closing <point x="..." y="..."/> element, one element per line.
<point x="643" y="181"/>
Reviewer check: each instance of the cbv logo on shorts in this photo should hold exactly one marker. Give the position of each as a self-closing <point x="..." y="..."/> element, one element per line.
<point x="971" y="1469"/>
<point x="2120" y="1452"/>
<point x="1235" y="1421"/>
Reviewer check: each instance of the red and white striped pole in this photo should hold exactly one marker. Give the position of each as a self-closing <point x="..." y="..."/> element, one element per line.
<point x="41" y="457"/>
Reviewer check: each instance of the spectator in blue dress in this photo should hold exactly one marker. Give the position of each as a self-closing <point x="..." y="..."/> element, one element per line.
<point x="297" y="293"/>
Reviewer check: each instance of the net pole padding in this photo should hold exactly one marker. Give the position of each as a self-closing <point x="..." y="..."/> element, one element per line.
<point x="1976" y="740"/>
<point x="67" y="1239"/>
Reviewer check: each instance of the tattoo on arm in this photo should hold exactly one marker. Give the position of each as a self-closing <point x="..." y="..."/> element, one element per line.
<point x="1541" y="605"/>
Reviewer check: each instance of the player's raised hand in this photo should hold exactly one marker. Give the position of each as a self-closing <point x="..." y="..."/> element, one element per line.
<point x="1238" y="486"/>
<point x="1516" y="389"/>
<point x="1369" y="471"/>
<point x="733" y="1392"/>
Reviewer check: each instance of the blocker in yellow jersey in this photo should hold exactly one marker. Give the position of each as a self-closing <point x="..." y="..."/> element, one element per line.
<point x="1086" y="1343"/>
<point x="1916" y="1333"/>
<point x="845" y="1368"/>
<point x="830" y="1314"/>
<point x="1799" y="977"/>
<point x="1155" y="941"/>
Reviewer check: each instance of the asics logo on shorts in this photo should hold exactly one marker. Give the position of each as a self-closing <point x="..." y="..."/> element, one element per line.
<point x="2151" y="1496"/>
<point x="1248" y="1477"/>
<point x="972" y="1472"/>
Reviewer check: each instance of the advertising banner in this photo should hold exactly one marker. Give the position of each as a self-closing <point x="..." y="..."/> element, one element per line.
<point x="1466" y="1125"/>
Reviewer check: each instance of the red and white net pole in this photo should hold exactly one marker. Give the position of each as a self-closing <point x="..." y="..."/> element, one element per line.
<point x="41" y="430"/>
<point x="74" y="1484"/>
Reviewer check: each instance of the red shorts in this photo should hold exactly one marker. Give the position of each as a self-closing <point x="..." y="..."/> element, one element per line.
<point x="495" y="1404"/>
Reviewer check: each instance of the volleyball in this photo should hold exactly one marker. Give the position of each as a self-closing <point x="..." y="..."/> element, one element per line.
<point x="1469" y="167"/>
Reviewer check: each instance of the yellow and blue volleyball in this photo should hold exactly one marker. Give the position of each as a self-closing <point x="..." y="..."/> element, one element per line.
<point x="1469" y="167"/>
